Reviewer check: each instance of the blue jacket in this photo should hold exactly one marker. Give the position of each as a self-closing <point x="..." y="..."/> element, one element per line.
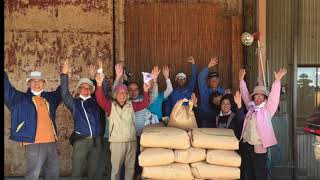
<point x="179" y="93"/>
<point x="205" y="91"/>
<point x="86" y="113"/>
<point x="24" y="113"/>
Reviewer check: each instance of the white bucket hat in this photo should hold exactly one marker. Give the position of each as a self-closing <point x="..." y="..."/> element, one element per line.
<point x="86" y="81"/>
<point x="181" y="75"/>
<point x="35" y="75"/>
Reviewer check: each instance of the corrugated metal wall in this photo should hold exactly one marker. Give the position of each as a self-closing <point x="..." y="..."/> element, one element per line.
<point x="279" y="54"/>
<point x="281" y="24"/>
<point x="307" y="165"/>
<point x="309" y="32"/>
<point x="279" y="36"/>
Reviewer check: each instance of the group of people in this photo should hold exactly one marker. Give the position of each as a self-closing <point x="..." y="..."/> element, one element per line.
<point x="108" y="123"/>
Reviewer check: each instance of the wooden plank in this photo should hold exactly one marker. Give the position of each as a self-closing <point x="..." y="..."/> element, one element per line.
<point x="237" y="51"/>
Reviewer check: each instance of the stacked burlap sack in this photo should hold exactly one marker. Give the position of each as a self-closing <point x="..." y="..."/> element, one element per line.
<point x="202" y="153"/>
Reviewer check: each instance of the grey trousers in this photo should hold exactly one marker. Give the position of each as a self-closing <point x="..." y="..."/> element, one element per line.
<point x="42" y="156"/>
<point x="85" y="151"/>
<point x="123" y="153"/>
<point x="104" y="161"/>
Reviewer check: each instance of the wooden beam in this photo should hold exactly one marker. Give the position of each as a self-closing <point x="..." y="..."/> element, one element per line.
<point x="237" y="51"/>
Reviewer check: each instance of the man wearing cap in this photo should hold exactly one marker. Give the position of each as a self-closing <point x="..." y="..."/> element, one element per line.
<point x="122" y="130"/>
<point x="257" y="133"/>
<point x="208" y="83"/>
<point x="33" y="124"/>
<point x="183" y="89"/>
<point x="85" y="138"/>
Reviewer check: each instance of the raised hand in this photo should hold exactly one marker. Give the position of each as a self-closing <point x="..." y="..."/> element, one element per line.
<point x="242" y="73"/>
<point x="119" y="71"/>
<point x="99" y="79"/>
<point x="213" y="61"/>
<point x="191" y="60"/>
<point x="165" y="72"/>
<point x="65" y="67"/>
<point x="279" y="75"/>
<point x="237" y="99"/>
<point x="194" y="99"/>
<point x="228" y="91"/>
<point x="146" y="87"/>
<point x="155" y="73"/>
<point x="92" y="71"/>
<point x="100" y="64"/>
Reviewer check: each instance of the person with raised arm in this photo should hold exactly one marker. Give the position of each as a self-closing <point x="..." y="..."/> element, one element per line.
<point x="33" y="124"/>
<point x="184" y="88"/>
<point x="156" y="106"/>
<point x="86" y="137"/>
<point x="257" y="133"/>
<point x="122" y="130"/>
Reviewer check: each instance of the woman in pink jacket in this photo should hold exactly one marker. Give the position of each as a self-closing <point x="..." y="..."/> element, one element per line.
<point x="257" y="132"/>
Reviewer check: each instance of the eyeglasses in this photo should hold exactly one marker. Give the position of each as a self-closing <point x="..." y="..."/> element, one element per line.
<point x="181" y="78"/>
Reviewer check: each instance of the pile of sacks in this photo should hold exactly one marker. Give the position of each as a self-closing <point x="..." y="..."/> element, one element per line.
<point x="202" y="153"/>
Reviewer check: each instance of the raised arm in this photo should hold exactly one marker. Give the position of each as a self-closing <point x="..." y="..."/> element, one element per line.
<point x="9" y="91"/>
<point x="93" y="72"/>
<point x="154" y="94"/>
<point x="202" y="81"/>
<point x="169" y="89"/>
<point x="64" y="80"/>
<point x="193" y="80"/>
<point x="274" y="96"/>
<point x="137" y="106"/>
<point x="103" y="102"/>
<point x="239" y="113"/>
<point x="243" y="88"/>
<point x="119" y="76"/>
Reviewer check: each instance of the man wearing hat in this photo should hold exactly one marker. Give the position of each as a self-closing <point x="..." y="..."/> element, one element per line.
<point x="85" y="138"/>
<point x="122" y="130"/>
<point x="184" y="89"/>
<point x="33" y="124"/>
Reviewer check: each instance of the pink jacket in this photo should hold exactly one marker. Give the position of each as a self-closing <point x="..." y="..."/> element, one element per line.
<point x="264" y="116"/>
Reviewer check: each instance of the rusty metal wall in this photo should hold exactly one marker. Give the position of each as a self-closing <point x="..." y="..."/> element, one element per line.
<point x="307" y="165"/>
<point x="281" y="26"/>
<point x="309" y="33"/>
<point x="38" y="36"/>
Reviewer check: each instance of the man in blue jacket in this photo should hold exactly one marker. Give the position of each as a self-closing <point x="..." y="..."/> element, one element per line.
<point x="183" y="89"/>
<point x="208" y="83"/>
<point x="86" y="138"/>
<point x="33" y="124"/>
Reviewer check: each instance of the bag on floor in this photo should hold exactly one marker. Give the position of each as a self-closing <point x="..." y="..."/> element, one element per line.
<point x="171" y="171"/>
<point x="203" y="170"/>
